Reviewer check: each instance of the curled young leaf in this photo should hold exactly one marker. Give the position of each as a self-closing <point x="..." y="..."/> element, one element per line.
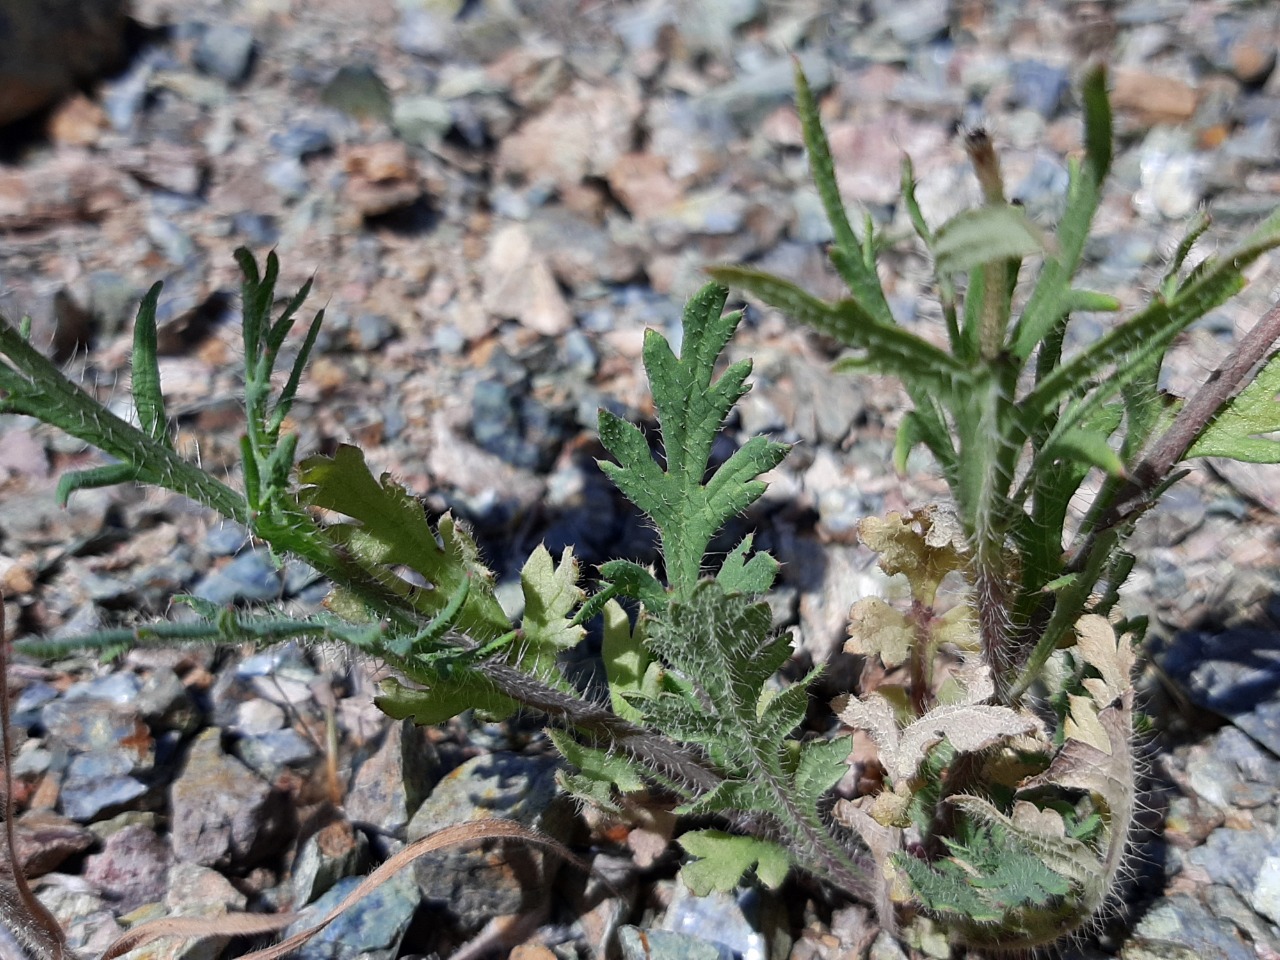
<point x="876" y="629"/>
<point x="923" y="545"/>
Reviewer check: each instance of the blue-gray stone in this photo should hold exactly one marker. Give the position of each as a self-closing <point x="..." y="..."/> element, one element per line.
<point x="371" y="931"/>
<point x="250" y="576"/>
<point x="26" y="709"/>
<point x="1043" y="191"/>
<point x="1181" y="923"/>
<point x="302" y="140"/>
<point x="476" y="886"/>
<point x="1231" y="770"/>
<point x="287" y="176"/>
<point x="269" y="753"/>
<point x="225" y="538"/>
<point x="1235" y="674"/>
<point x="640" y="944"/>
<point x="373" y="330"/>
<point x="1039" y="86"/>
<point x="1234" y="857"/>
<point x="258" y="229"/>
<point x="719" y="918"/>
<point x="89" y="724"/>
<point x="114" y="688"/>
<point x="226" y="52"/>
<point x="98" y="784"/>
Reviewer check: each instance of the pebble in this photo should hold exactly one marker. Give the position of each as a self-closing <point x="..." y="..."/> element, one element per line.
<point x="371" y="932"/>
<point x="1039" y="86"/>
<point x="98" y="785"/>
<point x="251" y="576"/>
<point x="472" y="886"/>
<point x="642" y="944"/>
<point x="225" y="51"/>
<point x="222" y="813"/>
<point x="133" y="867"/>
<point x="389" y="786"/>
<point x="332" y="853"/>
<point x="1181" y="923"/>
<point x="719" y="918"/>
<point x="1235" y="674"/>
<point x="269" y="753"/>
<point x="358" y="92"/>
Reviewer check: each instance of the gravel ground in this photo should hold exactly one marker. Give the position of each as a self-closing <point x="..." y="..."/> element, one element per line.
<point x="496" y="197"/>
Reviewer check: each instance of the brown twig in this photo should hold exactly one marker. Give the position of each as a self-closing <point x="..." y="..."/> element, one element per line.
<point x="1195" y="416"/>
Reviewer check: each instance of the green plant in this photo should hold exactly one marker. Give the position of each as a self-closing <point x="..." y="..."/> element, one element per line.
<point x="1005" y="734"/>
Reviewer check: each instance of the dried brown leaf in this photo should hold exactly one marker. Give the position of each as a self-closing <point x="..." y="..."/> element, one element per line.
<point x="25" y="916"/>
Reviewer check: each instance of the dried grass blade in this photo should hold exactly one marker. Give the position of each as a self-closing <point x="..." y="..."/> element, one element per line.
<point x="25" y="916"/>
<point x="242" y="924"/>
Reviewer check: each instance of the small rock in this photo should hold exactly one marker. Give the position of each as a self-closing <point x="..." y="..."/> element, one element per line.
<point x="226" y="52"/>
<point x="98" y="784"/>
<point x="250" y="576"/>
<point x="915" y="22"/>
<point x="519" y="284"/>
<point x="581" y="133"/>
<point x="133" y="867"/>
<point x="165" y="702"/>
<point x="391" y="784"/>
<point x="269" y="753"/>
<point x="1231" y="770"/>
<point x="372" y="330"/>
<point x="44" y="839"/>
<point x="1235" y="674"/>
<point x="358" y="92"/>
<point x="421" y="119"/>
<point x="477" y="886"/>
<point x="1247" y="861"/>
<point x="222" y="813"/>
<point x="302" y="140"/>
<point x="1180" y="927"/>
<point x="85" y="917"/>
<point x="642" y="944"/>
<point x="257" y="717"/>
<point x="371" y="931"/>
<point x="719" y="918"/>
<point x="91" y="724"/>
<point x="1151" y="98"/>
<point x="1039" y="86"/>
<point x="335" y="851"/>
<point x="1172" y="176"/>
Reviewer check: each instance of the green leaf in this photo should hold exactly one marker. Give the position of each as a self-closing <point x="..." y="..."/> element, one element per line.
<point x="634" y="581"/>
<point x="1088" y="446"/>
<point x="625" y="660"/>
<point x="857" y="271"/>
<point x="1238" y="430"/>
<point x="889" y="349"/>
<point x="691" y="408"/>
<point x="145" y="370"/>
<point x="723" y="858"/>
<point x="551" y="593"/>
<point x="393" y="530"/>
<point x="752" y="577"/>
<point x="985" y="235"/>
<point x="448" y="696"/>
<point x="600" y="772"/>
